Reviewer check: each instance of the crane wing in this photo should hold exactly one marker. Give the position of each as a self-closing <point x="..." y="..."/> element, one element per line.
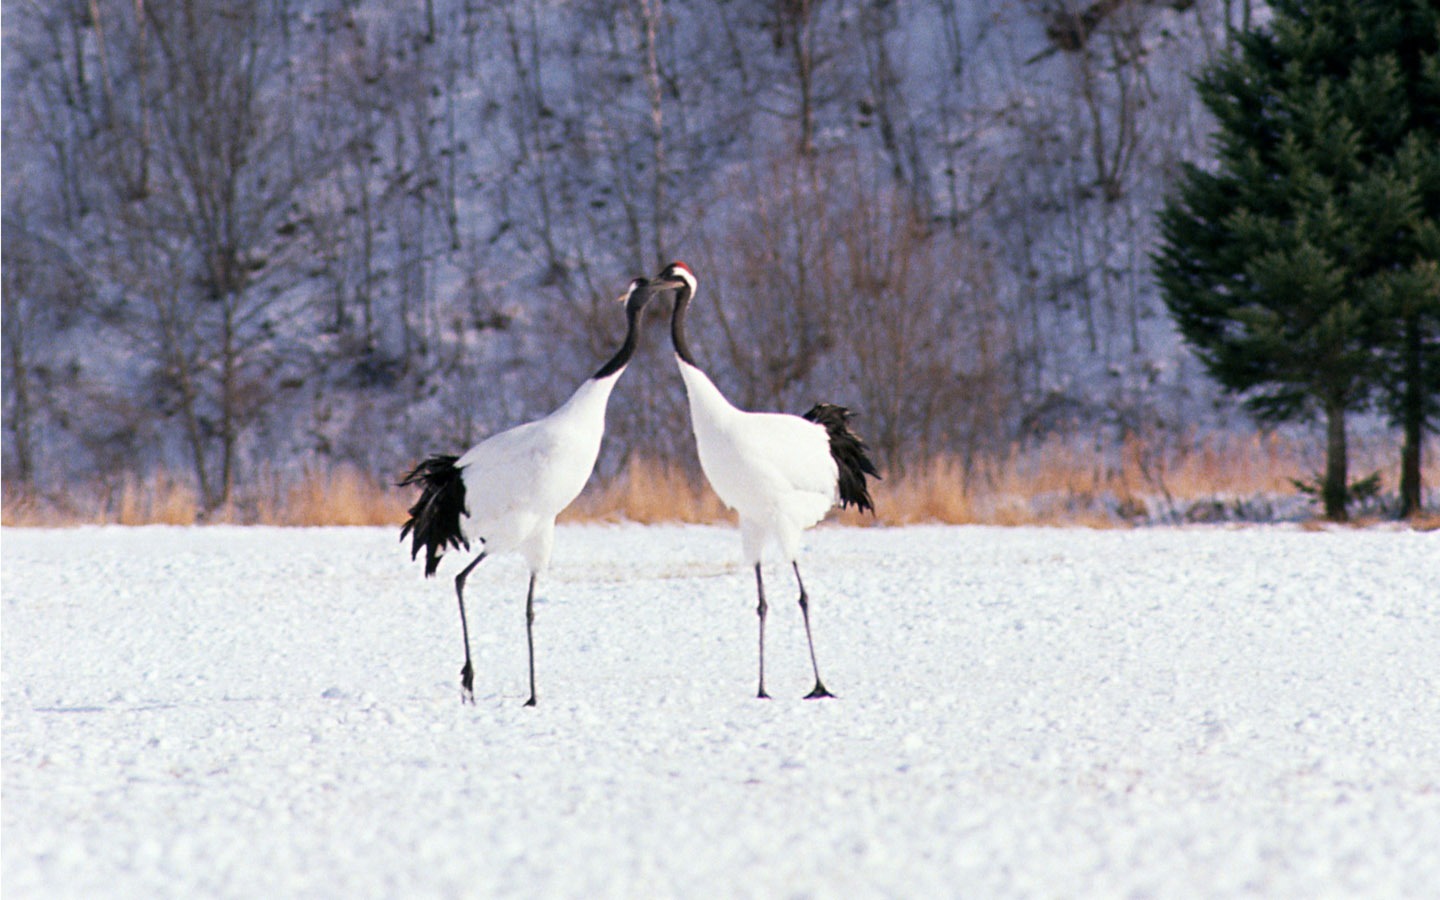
<point x="770" y="467"/>
<point x="797" y="451"/>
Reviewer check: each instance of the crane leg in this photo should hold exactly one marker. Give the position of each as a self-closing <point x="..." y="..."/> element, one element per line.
<point x="530" y="635"/>
<point x="467" y="672"/>
<point x="760" y="611"/>
<point x="819" y="690"/>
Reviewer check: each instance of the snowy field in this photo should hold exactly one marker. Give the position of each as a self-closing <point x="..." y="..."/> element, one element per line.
<point x="249" y="712"/>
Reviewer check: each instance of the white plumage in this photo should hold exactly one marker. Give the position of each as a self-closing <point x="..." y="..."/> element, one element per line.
<point x="505" y="492"/>
<point x="774" y="469"/>
<point x="518" y="481"/>
<point x="780" y="473"/>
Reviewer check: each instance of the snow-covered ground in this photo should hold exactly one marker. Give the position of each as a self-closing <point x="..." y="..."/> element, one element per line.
<point x="248" y="712"/>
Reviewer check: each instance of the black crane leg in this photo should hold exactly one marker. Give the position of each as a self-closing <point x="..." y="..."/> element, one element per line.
<point x="467" y="672"/>
<point x="819" y="689"/>
<point x="530" y="635"/>
<point x="760" y="611"/>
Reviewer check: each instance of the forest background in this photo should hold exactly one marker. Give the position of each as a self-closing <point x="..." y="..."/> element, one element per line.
<point x="260" y="257"/>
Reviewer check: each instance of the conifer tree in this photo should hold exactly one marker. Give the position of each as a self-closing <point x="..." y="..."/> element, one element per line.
<point x="1302" y="269"/>
<point x="1406" y="292"/>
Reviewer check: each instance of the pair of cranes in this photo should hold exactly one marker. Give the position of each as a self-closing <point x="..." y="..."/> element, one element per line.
<point x="780" y="473"/>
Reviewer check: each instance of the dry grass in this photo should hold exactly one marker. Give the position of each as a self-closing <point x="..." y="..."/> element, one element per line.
<point x="1143" y="480"/>
<point x="1060" y="483"/>
<point x="1052" y="484"/>
<point x="648" y="492"/>
<point x="341" y="496"/>
<point x="160" y="501"/>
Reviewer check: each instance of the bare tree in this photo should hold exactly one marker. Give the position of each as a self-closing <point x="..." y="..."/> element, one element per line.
<point x="37" y="299"/>
<point x="774" y="297"/>
<point x="924" y="336"/>
<point x="648" y="28"/>
<point x="188" y="191"/>
<point x="795" y="37"/>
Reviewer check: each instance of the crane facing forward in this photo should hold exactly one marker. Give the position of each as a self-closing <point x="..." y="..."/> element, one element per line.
<point x="780" y="473"/>
<point x="506" y="491"/>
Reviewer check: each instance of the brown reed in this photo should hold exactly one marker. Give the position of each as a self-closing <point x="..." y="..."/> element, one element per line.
<point x="1053" y="483"/>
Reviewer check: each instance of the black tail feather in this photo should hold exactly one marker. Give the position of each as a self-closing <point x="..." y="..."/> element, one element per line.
<point x="435" y="517"/>
<point x="850" y="455"/>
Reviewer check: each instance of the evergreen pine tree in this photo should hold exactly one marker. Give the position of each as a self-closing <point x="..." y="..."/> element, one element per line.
<point x="1302" y="269"/>
<point x="1406" y="292"/>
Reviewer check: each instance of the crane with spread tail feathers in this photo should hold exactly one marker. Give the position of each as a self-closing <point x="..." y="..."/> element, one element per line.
<point x="506" y="491"/>
<point x="781" y="473"/>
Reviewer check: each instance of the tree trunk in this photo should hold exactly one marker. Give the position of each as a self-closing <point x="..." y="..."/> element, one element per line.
<point x="1412" y="415"/>
<point x="193" y="432"/>
<point x="141" y="57"/>
<point x="17" y="376"/>
<point x="184" y="368"/>
<point x="1410" y="478"/>
<point x="796" y="19"/>
<point x="650" y="21"/>
<point x="229" y="388"/>
<point x="1334" y="490"/>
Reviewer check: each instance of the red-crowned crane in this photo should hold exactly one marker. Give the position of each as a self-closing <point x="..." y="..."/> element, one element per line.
<point x="506" y="491"/>
<point x="780" y="473"/>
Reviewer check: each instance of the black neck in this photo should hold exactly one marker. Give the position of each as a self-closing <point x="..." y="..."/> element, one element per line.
<point x="633" y="311"/>
<point x="677" y="326"/>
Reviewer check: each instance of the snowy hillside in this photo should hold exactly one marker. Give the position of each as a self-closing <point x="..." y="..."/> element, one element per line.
<point x="232" y="712"/>
<point x="409" y="222"/>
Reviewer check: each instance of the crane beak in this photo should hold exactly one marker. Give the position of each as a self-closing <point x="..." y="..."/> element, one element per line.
<point x="666" y="284"/>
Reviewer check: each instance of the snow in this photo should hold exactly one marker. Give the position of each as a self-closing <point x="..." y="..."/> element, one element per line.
<point x="242" y="712"/>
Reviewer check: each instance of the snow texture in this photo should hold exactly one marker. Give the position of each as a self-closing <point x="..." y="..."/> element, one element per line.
<point x="249" y="712"/>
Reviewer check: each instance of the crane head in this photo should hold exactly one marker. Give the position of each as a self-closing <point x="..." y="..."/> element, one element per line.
<point x="673" y="277"/>
<point x="637" y="294"/>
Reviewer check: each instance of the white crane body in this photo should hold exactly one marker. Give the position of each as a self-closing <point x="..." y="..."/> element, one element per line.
<point x="546" y="464"/>
<point x="775" y="470"/>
